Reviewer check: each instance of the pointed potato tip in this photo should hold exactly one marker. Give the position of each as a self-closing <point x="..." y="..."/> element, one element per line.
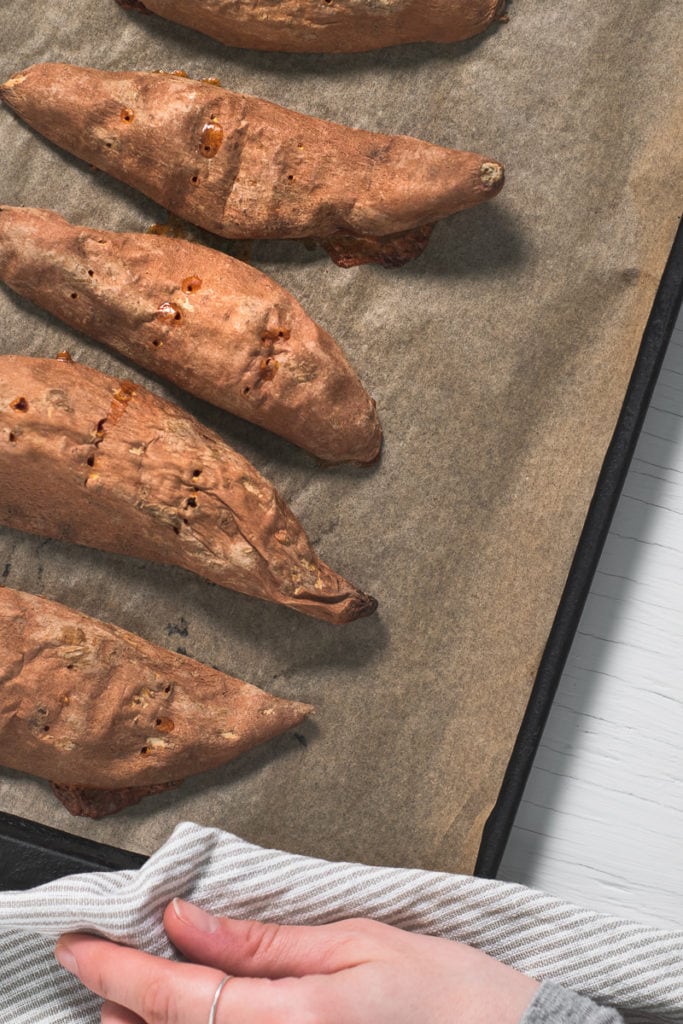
<point x="293" y="711"/>
<point x="492" y="175"/>
<point x="361" y="606"/>
<point x="8" y="87"/>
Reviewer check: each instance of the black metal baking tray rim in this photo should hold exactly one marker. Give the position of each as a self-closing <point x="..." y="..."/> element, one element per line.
<point x="31" y="854"/>
<point x="607" y="492"/>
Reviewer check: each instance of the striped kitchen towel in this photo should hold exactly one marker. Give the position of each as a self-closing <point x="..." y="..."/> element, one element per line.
<point x="637" y="968"/>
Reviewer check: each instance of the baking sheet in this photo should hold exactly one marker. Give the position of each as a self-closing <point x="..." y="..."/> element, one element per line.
<point x="499" y="362"/>
<point x="613" y="475"/>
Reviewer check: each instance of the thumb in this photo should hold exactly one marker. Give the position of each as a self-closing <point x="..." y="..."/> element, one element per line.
<point x="258" y="950"/>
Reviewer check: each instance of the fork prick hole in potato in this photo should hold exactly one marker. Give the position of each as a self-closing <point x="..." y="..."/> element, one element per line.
<point x="168" y="311"/>
<point x="191" y="284"/>
<point x="212" y="139"/>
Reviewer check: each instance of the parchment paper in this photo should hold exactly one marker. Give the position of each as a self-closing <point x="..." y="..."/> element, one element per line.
<point x="499" y="362"/>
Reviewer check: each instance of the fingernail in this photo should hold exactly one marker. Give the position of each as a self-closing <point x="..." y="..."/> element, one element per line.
<point x="66" y="958"/>
<point x="195" y="917"/>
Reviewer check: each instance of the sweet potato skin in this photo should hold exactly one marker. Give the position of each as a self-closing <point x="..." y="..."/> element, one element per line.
<point x="328" y="26"/>
<point x="87" y="704"/>
<point x="90" y="802"/>
<point x="101" y="462"/>
<point x="245" y="168"/>
<point x="212" y="325"/>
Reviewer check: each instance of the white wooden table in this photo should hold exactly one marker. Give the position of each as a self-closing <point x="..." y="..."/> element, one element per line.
<point x="601" y="822"/>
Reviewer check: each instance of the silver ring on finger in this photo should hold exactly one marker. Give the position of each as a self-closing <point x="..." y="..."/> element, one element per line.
<point x="214" y="1005"/>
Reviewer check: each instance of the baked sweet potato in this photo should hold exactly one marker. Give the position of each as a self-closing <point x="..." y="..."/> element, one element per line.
<point x="108" y="717"/>
<point x="245" y="168"/>
<point x="209" y="323"/>
<point x="102" y="462"/>
<point x="328" y="26"/>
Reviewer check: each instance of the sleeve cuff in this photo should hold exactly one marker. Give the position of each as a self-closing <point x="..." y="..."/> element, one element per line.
<point x="553" y="1004"/>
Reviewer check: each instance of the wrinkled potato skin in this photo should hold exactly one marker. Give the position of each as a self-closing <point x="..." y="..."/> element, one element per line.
<point x="212" y="325"/>
<point x="242" y="167"/>
<point x="90" y="802"/>
<point x="81" y="699"/>
<point x="330" y="26"/>
<point x="101" y="462"/>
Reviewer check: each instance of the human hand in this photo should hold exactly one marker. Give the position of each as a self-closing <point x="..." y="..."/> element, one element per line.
<point x="351" y="972"/>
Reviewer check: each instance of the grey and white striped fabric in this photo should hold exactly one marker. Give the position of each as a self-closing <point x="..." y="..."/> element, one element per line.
<point x="637" y="968"/>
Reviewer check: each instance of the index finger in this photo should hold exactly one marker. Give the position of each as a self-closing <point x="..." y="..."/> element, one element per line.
<point x="162" y="991"/>
<point x="157" y="990"/>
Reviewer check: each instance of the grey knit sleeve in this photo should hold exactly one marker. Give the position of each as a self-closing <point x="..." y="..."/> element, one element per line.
<point x="555" y="1005"/>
